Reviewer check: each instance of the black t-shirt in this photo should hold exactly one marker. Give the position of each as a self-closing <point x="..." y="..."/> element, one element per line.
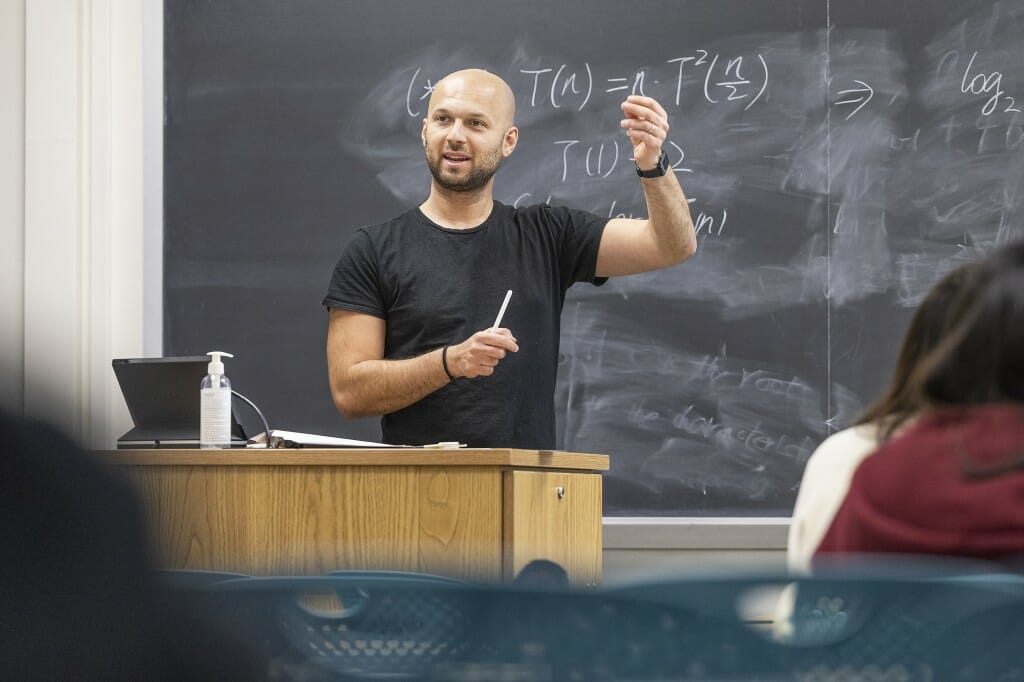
<point x="435" y="286"/>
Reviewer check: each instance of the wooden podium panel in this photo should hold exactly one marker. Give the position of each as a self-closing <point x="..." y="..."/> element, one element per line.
<point x="551" y="515"/>
<point x="477" y="514"/>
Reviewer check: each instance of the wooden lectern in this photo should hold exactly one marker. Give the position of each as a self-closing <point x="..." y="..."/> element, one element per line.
<point x="476" y="514"/>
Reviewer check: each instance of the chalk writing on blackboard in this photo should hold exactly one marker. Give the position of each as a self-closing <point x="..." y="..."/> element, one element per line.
<point x="857" y="97"/>
<point x="729" y="78"/>
<point x="976" y="82"/>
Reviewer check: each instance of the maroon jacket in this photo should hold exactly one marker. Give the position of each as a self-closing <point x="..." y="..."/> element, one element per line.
<point x="913" y="495"/>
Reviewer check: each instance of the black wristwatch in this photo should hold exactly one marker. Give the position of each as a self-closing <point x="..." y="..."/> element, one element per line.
<point x="658" y="170"/>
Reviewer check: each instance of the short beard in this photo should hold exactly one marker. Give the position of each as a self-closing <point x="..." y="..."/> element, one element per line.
<point x="477" y="178"/>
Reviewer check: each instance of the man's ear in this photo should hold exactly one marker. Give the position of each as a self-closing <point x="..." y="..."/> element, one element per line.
<point x="423" y="134"/>
<point x="508" y="145"/>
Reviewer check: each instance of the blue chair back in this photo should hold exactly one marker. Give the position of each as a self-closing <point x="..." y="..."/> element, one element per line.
<point x="857" y="625"/>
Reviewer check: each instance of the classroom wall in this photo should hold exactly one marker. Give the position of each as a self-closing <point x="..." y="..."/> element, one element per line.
<point x="80" y="280"/>
<point x="12" y="205"/>
<point x="71" y="197"/>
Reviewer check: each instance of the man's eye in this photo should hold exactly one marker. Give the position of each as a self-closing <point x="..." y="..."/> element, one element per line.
<point x="478" y="123"/>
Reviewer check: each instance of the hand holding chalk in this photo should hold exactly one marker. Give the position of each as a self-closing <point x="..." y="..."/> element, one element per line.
<point x="501" y="313"/>
<point x="478" y="355"/>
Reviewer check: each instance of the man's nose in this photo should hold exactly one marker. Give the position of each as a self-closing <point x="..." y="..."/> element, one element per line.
<point x="457" y="132"/>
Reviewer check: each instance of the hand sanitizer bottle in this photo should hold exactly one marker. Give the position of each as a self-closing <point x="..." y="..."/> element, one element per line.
<point x="215" y="405"/>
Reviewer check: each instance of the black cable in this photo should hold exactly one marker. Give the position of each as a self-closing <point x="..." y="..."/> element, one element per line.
<point x="266" y="427"/>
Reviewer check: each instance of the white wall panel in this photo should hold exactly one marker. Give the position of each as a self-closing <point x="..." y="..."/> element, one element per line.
<point x="12" y="204"/>
<point x="83" y="210"/>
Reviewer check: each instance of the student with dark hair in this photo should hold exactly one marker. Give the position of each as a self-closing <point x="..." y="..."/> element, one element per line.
<point x="829" y="469"/>
<point x="952" y="483"/>
<point x="542" y="574"/>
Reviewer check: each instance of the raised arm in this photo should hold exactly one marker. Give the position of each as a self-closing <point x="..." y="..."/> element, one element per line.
<point x="667" y="236"/>
<point x="364" y="384"/>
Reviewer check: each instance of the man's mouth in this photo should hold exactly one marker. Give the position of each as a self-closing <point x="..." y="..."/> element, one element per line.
<point x="456" y="158"/>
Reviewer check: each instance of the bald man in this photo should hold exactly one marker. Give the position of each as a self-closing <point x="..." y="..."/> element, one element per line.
<point x="411" y="300"/>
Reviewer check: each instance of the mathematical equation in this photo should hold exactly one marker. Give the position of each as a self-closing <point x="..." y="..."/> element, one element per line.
<point x="973" y="82"/>
<point x="976" y="82"/>
<point x="705" y="223"/>
<point x="988" y="84"/>
<point x="720" y="78"/>
<point x="729" y="78"/>
<point x="600" y="159"/>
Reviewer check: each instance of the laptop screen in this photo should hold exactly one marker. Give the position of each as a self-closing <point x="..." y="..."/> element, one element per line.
<point x="162" y="395"/>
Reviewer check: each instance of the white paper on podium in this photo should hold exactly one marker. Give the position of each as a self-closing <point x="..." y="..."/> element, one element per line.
<point x="294" y="439"/>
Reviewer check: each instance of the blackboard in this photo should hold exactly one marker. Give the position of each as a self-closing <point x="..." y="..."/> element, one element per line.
<point x="841" y="155"/>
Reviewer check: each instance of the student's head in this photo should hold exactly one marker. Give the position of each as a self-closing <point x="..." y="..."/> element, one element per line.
<point x="981" y="360"/>
<point x="542" y="574"/>
<point x="469" y="129"/>
<point x="937" y="313"/>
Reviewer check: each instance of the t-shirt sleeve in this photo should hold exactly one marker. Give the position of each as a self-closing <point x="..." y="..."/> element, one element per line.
<point x="581" y="240"/>
<point x="355" y="284"/>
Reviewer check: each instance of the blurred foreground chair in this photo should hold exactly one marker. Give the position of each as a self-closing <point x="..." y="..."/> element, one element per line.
<point x="180" y="578"/>
<point x="911" y="622"/>
<point x="864" y="625"/>
<point x="349" y="625"/>
<point x="361" y="625"/>
<point x="543" y="634"/>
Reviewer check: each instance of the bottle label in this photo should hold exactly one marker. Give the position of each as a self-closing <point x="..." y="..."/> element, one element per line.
<point x="215" y="417"/>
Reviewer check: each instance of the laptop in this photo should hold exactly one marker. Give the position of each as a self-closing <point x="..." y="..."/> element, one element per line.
<point x="162" y="395"/>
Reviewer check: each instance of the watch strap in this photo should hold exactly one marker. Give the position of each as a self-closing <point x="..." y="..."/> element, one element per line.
<point x="660" y="169"/>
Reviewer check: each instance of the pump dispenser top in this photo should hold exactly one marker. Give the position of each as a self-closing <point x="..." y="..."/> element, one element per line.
<point x="216" y="365"/>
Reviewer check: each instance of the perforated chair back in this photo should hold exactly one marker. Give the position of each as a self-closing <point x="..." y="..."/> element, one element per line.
<point x="567" y="635"/>
<point x="360" y="625"/>
<point x="863" y="624"/>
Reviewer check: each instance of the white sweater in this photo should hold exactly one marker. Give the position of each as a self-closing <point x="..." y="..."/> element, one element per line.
<point x="823" y="488"/>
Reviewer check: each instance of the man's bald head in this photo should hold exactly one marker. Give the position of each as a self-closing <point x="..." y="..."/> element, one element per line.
<point x="480" y="87"/>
